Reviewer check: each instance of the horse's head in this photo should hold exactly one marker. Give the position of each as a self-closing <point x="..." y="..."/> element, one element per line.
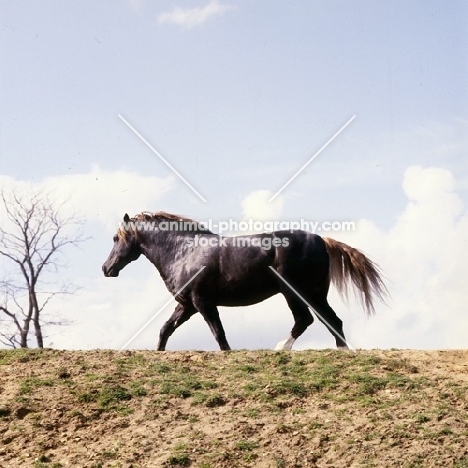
<point x="126" y="249"/>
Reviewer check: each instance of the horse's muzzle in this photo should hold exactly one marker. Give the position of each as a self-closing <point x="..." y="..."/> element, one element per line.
<point x="109" y="272"/>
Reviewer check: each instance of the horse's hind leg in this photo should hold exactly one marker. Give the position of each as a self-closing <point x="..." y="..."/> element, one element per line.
<point x="180" y="315"/>
<point x="333" y="323"/>
<point x="302" y="319"/>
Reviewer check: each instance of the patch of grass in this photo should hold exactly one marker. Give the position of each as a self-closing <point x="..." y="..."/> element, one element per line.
<point x="23" y="400"/>
<point x="184" y="386"/>
<point x="112" y="394"/>
<point x="368" y="384"/>
<point x="284" y="428"/>
<point x="459" y="391"/>
<point x="228" y="456"/>
<point x="175" y="389"/>
<point x="214" y="400"/>
<point x="178" y="459"/>
<point x="44" y="462"/>
<point x="160" y="368"/>
<point x="207" y="384"/>
<point x="371" y="435"/>
<point x="109" y="455"/>
<point x="397" y="380"/>
<point x="246" y="445"/>
<point x="462" y="463"/>
<point x="91" y="377"/>
<point x="63" y="373"/>
<point x="279" y="462"/>
<point x="210" y="400"/>
<point x="417" y="462"/>
<point x="247" y="368"/>
<point x="5" y="357"/>
<point x="315" y="425"/>
<point x="77" y="414"/>
<point x="10" y="356"/>
<point x="323" y="377"/>
<point x="252" y="413"/>
<point x="180" y="447"/>
<point x="446" y="431"/>
<point x="159" y="403"/>
<point x="289" y="387"/>
<point x="421" y="418"/>
<point x="123" y="410"/>
<point x="199" y="398"/>
<point x="30" y="383"/>
<point x="283" y="358"/>
<point x="87" y="397"/>
<point x="394" y="364"/>
<point x="38" y="464"/>
<point x="106" y="397"/>
<point x="134" y="359"/>
<point x="250" y="457"/>
<point x="138" y="389"/>
<point x="253" y="387"/>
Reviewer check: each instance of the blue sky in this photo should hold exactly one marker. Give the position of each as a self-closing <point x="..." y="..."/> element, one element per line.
<point x="237" y="95"/>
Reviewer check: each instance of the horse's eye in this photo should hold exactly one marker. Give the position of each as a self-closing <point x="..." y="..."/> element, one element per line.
<point x="116" y="238"/>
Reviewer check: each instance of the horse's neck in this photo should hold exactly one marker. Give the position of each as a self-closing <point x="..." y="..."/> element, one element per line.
<point x="160" y="248"/>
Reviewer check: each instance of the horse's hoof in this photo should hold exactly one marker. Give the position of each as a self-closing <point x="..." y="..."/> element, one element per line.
<point x="286" y="344"/>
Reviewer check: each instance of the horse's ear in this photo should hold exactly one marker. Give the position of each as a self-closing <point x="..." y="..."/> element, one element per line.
<point x="126" y="218"/>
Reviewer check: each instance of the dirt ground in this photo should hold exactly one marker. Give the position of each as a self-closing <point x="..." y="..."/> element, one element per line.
<point x="233" y="409"/>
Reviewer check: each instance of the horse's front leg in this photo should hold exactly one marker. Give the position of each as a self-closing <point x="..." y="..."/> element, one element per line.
<point x="180" y="315"/>
<point x="210" y="313"/>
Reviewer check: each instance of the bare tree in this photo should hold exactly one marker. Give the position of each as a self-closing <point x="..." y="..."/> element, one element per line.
<point x="32" y="240"/>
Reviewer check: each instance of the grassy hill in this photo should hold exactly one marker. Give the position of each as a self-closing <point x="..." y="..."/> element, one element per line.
<point x="233" y="409"/>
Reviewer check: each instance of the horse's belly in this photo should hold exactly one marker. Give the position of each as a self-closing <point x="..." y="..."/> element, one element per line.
<point x="246" y="293"/>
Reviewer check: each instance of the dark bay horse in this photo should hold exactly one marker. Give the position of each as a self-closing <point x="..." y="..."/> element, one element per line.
<point x="204" y="270"/>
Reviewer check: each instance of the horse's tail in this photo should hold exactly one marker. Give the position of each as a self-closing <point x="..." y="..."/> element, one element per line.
<point x="351" y="266"/>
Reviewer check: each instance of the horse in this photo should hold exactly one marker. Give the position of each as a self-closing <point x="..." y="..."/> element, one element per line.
<point x="204" y="270"/>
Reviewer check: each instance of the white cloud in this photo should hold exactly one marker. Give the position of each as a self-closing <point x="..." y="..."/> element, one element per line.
<point x="191" y="17"/>
<point x="424" y="258"/>
<point x="99" y="194"/>
<point x="107" y="196"/>
<point x="256" y="206"/>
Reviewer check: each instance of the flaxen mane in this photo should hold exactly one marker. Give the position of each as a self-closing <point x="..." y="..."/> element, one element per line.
<point x="146" y="216"/>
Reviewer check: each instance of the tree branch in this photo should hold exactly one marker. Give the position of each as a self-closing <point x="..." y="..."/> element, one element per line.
<point x="36" y="236"/>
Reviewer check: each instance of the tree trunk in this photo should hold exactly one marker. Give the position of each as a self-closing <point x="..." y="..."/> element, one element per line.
<point x="36" y="317"/>
<point x="24" y="333"/>
<point x="38" y="331"/>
